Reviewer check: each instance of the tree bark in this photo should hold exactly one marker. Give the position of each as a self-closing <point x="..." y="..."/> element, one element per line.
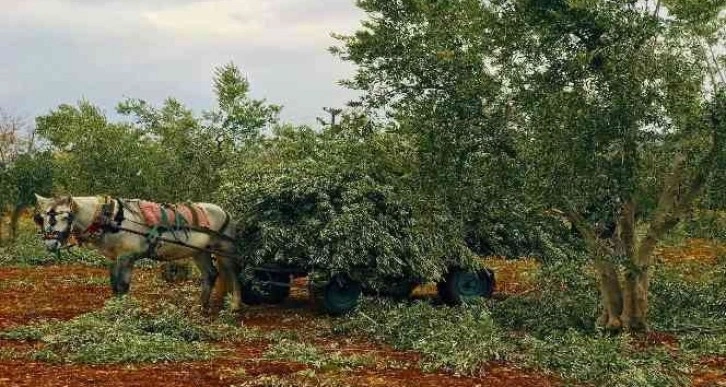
<point x="635" y="300"/>
<point x="611" y="296"/>
<point x="2" y="229"/>
<point x="14" y="219"/>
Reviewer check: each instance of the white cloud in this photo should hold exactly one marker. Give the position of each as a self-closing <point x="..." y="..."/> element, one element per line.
<point x="102" y="19"/>
<point x="282" y="23"/>
<point x="57" y="51"/>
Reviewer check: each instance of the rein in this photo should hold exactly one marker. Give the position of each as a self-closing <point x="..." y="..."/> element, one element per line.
<point x="180" y="243"/>
<point x="108" y="218"/>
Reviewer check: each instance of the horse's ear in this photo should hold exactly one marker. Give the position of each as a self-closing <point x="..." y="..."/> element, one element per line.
<point x="42" y="202"/>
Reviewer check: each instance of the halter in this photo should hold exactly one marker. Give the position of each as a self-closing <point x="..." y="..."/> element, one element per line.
<point x="103" y="220"/>
<point x="50" y="234"/>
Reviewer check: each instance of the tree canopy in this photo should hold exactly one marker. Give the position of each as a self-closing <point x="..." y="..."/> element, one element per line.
<point x="607" y="112"/>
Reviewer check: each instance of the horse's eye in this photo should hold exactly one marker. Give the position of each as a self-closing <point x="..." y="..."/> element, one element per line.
<point x="38" y="219"/>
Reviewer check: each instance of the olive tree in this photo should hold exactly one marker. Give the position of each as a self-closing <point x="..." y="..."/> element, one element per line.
<point x="609" y="113"/>
<point x="24" y="169"/>
<point x="623" y="109"/>
<point x="165" y="153"/>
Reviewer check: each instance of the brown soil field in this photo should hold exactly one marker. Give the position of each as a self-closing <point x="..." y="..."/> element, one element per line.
<point x="61" y="292"/>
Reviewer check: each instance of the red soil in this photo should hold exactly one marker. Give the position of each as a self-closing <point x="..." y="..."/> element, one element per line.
<point x="711" y="373"/>
<point x="62" y="292"/>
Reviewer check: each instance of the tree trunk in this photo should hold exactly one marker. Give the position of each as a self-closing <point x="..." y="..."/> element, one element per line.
<point x="2" y="229"/>
<point x="14" y="219"/>
<point x="624" y="296"/>
<point x="635" y="281"/>
<point x="635" y="300"/>
<point x="611" y="295"/>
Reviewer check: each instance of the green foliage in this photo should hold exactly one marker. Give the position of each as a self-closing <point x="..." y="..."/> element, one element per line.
<point x="28" y="250"/>
<point x="125" y="332"/>
<point x="427" y="65"/>
<point x="551" y="329"/>
<point x="310" y="355"/>
<point x="93" y="155"/>
<point x="303" y="378"/>
<point x="458" y="339"/>
<point x="577" y="105"/>
<point x="320" y="200"/>
<point x="512" y="229"/>
<point x="704" y="344"/>
<point x="165" y="153"/>
<point x="564" y="300"/>
<point x="28" y="174"/>
<point x="679" y="303"/>
<point x="239" y="119"/>
<point x="598" y="360"/>
<point x="703" y="223"/>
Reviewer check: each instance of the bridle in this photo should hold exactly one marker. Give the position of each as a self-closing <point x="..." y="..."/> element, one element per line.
<point x="101" y="223"/>
<point x="48" y="233"/>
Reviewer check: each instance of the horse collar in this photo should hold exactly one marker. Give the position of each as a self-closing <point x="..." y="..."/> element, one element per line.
<point x="104" y="218"/>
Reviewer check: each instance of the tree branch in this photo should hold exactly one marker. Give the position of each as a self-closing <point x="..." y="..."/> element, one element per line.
<point x="599" y="247"/>
<point x="626" y="228"/>
<point x="673" y="202"/>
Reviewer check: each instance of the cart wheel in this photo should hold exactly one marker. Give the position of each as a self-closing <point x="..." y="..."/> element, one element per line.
<point x="338" y="296"/>
<point x="460" y="286"/>
<point x="267" y="288"/>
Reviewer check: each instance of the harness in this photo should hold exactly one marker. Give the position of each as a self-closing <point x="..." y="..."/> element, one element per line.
<point x="109" y="217"/>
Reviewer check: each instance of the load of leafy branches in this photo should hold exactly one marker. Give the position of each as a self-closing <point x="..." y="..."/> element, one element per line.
<point x="319" y="201"/>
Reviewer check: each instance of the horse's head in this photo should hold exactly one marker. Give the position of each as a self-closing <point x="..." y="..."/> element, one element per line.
<point x="54" y="217"/>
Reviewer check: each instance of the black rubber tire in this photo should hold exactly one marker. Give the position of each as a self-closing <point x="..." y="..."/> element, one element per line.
<point x="260" y="291"/>
<point x="338" y="296"/>
<point x="461" y="286"/>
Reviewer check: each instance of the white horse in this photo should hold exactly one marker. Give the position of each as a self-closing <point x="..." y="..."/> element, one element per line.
<point x="119" y="231"/>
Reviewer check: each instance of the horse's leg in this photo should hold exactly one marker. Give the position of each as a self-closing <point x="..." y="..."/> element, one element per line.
<point x="121" y="273"/>
<point x="230" y="275"/>
<point x="209" y="275"/>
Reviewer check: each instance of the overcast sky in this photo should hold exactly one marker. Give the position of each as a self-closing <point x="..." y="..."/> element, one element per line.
<point x="59" y="51"/>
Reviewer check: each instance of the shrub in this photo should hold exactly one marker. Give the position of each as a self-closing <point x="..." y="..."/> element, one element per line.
<point x="679" y="303"/>
<point x="700" y="223"/>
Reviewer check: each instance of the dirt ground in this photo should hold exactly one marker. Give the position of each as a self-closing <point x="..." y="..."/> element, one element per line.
<point x="62" y="292"/>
